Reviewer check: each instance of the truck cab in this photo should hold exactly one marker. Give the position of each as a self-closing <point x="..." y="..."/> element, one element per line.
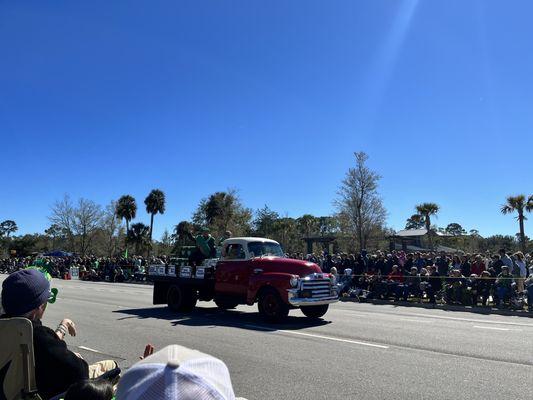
<point x="250" y="270"/>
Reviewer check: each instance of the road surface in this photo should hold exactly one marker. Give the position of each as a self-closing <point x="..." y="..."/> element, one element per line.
<point x="359" y="351"/>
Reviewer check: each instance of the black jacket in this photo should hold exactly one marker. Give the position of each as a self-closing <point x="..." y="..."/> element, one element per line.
<point x="56" y="367"/>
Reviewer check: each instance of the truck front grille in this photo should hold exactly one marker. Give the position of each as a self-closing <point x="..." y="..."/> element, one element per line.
<point x="318" y="288"/>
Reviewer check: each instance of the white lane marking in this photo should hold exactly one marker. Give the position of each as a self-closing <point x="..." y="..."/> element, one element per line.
<point x="414" y="320"/>
<point x="319" y="337"/>
<point x="496" y="329"/>
<point x="89" y="349"/>
<point x="476" y="320"/>
<point x="480" y="321"/>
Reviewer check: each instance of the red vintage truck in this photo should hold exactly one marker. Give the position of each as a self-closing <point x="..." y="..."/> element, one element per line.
<point x="249" y="270"/>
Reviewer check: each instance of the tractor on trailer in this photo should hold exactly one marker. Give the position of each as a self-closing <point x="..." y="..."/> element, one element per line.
<point x="250" y="270"/>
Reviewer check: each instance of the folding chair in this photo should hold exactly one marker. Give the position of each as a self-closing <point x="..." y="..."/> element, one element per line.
<point x="17" y="362"/>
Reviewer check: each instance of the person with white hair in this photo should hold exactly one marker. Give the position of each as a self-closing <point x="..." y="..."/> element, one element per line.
<point x="176" y="373"/>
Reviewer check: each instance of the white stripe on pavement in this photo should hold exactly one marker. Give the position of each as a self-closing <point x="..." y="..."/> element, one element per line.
<point x="476" y="320"/>
<point x="408" y="314"/>
<point x="496" y="329"/>
<point x="89" y="349"/>
<point x="319" y="336"/>
<point x="414" y="320"/>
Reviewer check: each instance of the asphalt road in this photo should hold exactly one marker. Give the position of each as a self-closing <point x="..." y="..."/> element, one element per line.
<point x="359" y="351"/>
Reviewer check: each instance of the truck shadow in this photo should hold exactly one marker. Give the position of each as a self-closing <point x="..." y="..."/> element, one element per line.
<point x="209" y="316"/>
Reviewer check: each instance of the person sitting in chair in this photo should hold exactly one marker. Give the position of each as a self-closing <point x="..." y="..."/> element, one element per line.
<point x="26" y="293"/>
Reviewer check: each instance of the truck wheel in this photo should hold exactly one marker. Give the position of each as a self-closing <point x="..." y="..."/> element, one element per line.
<point x="315" y="312"/>
<point x="271" y="307"/>
<point x="226" y="304"/>
<point x="181" y="299"/>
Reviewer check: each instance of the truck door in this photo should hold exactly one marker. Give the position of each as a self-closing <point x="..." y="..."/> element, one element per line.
<point x="233" y="272"/>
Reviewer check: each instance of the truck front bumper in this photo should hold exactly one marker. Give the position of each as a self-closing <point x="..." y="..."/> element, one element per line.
<point x="296" y="301"/>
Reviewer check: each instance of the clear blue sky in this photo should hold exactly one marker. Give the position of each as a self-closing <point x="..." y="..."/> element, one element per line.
<point x="104" y="98"/>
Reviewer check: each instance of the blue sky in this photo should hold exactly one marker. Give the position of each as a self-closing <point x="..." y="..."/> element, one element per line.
<point x="100" y="99"/>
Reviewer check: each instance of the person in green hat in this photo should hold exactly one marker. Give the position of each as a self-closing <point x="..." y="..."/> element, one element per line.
<point x="205" y="247"/>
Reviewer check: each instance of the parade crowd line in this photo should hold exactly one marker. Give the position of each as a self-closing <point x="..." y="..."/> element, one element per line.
<point x="501" y="279"/>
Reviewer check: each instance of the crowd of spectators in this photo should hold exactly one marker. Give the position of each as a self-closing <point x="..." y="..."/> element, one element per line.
<point x="113" y="269"/>
<point x="502" y="279"/>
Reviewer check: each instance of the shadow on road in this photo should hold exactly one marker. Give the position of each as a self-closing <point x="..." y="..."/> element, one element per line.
<point x="209" y="316"/>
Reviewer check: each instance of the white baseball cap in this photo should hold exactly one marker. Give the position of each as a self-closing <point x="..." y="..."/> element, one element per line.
<point x="178" y="373"/>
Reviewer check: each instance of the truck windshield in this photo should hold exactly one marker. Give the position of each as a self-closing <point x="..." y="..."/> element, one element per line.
<point x="265" y="249"/>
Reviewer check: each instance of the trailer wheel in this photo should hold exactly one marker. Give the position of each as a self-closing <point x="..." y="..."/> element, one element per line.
<point x="181" y="299"/>
<point x="271" y="306"/>
<point x="315" y="312"/>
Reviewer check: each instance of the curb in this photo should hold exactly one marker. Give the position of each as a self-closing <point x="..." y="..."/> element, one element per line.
<point x="445" y="307"/>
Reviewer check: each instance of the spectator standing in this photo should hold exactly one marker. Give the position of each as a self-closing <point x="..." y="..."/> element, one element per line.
<point x="506" y="260"/>
<point x="478" y="266"/>
<point x="521" y="271"/>
<point x="496" y="265"/>
<point x="465" y="265"/>
<point x="419" y="262"/>
<point x="529" y="287"/>
<point x="443" y="264"/>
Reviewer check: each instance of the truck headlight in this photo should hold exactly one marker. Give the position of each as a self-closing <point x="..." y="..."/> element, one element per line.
<point x="294" y="281"/>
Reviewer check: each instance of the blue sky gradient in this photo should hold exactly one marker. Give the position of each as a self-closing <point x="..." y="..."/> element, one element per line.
<point x="100" y="99"/>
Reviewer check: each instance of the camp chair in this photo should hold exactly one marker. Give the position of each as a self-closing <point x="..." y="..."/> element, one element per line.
<point x="17" y="362"/>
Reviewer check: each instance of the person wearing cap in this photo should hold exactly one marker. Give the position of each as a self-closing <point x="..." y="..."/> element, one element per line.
<point x="26" y="293"/>
<point x="503" y="286"/>
<point x="178" y="373"/>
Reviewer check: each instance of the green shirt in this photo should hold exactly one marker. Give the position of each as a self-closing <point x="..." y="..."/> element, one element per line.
<point x="205" y="244"/>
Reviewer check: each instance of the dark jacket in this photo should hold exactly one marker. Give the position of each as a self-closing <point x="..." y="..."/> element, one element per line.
<point x="436" y="281"/>
<point x="56" y="367"/>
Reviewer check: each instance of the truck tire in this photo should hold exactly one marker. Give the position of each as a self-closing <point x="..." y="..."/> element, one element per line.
<point x="315" y="312"/>
<point x="225" y="303"/>
<point x="271" y="307"/>
<point x="181" y="299"/>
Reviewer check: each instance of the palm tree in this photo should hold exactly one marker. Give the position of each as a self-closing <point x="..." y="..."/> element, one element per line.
<point x="519" y="205"/>
<point x="415" y="221"/>
<point x="427" y="210"/>
<point x="126" y="209"/>
<point x="138" y="236"/>
<point x="155" y="203"/>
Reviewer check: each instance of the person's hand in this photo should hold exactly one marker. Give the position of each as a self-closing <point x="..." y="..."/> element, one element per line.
<point x="71" y="327"/>
<point x="148" y="351"/>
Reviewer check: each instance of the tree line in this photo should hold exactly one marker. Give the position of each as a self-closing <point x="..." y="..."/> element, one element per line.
<point x="359" y="222"/>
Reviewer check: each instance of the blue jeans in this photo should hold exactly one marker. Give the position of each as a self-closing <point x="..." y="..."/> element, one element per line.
<point x="503" y="293"/>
